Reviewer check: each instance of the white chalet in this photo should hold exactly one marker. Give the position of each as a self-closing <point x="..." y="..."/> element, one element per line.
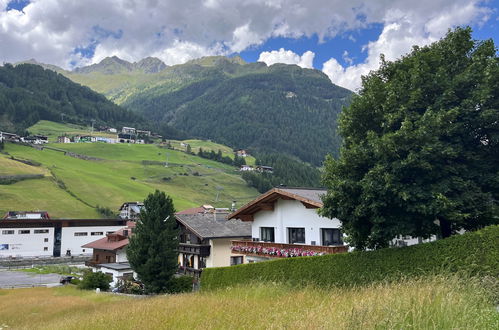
<point x="285" y="223"/>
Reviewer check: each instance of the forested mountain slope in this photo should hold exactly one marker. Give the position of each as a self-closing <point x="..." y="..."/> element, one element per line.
<point x="29" y="93"/>
<point x="279" y="108"/>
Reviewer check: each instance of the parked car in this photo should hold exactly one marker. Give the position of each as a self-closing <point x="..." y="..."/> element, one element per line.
<point x="66" y="279"/>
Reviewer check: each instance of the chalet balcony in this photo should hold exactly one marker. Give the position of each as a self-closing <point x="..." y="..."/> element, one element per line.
<point x="278" y="250"/>
<point x="198" y="249"/>
<point x="91" y="263"/>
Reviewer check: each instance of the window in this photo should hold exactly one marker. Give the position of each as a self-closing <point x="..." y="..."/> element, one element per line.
<point x="109" y="232"/>
<point x="236" y="260"/>
<point x="331" y="236"/>
<point x="45" y="249"/>
<point x="296" y="235"/>
<point x="267" y="234"/>
<point x="97" y="233"/>
<point x="24" y="231"/>
<point x="41" y="231"/>
<point x="81" y="234"/>
<point x="7" y="232"/>
<point x="45" y="240"/>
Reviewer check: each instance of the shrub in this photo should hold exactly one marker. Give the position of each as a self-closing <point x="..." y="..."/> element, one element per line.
<point x="180" y="284"/>
<point x="93" y="280"/>
<point x="474" y="253"/>
<point x="130" y="287"/>
<point x="105" y="211"/>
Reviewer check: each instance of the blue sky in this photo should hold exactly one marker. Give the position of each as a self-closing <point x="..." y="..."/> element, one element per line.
<point x="344" y="39"/>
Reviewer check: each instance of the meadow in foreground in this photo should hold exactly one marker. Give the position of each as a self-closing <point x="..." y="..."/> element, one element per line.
<point x="432" y="303"/>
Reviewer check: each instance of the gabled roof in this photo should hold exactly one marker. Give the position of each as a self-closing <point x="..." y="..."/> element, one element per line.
<point x="113" y="241"/>
<point x="309" y="197"/>
<point x="214" y="225"/>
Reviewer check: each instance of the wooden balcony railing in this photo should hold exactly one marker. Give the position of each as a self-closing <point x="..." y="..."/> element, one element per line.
<point x="201" y="250"/>
<point x="279" y="250"/>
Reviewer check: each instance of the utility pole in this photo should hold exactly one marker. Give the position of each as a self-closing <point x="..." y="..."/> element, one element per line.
<point x="167" y="159"/>
<point x="93" y="121"/>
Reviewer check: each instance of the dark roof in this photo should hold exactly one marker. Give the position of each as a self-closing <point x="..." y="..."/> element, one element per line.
<point x="214" y="225"/>
<point x="116" y="265"/>
<point x="310" y="198"/>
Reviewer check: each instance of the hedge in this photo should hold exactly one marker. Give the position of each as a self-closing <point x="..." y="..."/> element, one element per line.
<point x="474" y="253"/>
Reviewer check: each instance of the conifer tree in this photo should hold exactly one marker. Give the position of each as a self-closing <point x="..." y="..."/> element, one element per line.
<point x="152" y="251"/>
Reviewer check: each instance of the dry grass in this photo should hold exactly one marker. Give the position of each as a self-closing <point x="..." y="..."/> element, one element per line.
<point x="436" y="303"/>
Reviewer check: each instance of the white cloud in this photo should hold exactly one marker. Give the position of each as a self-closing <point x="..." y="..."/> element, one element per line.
<point x="404" y="28"/>
<point x="58" y="31"/>
<point x="287" y="57"/>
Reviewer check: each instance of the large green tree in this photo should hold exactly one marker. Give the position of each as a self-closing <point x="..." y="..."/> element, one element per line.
<point x="152" y="251"/>
<point x="421" y="146"/>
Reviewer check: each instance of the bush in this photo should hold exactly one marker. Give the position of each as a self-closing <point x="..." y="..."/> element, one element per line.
<point x="105" y="211"/>
<point x="474" y="253"/>
<point x="180" y="284"/>
<point x="130" y="287"/>
<point x="93" y="280"/>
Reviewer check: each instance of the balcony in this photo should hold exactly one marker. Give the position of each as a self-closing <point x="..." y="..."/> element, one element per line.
<point x="198" y="249"/>
<point x="278" y="250"/>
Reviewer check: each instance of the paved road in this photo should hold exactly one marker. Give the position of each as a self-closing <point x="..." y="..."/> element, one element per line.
<point x="22" y="279"/>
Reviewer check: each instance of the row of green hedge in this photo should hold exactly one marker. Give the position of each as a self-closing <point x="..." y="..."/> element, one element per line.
<point x="472" y="253"/>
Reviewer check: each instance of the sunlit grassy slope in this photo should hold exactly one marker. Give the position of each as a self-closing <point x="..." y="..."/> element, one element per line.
<point x="125" y="173"/>
<point x="208" y="146"/>
<point x="435" y="303"/>
<point x="53" y="130"/>
<point x="12" y="167"/>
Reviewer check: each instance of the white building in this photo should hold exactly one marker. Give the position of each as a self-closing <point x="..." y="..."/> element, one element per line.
<point x="128" y="130"/>
<point x="285" y="222"/>
<point x="52" y="237"/>
<point x="130" y="210"/>
<point x="109" y="254"/>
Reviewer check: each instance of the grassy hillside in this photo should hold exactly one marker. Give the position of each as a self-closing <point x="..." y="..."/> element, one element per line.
<point x="434" y="303"/>
<point x="74" y="187"/>
<point x="53" y="130"/>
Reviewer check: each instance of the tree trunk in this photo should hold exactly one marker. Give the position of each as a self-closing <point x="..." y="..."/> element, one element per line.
<point x="445" y="228"/>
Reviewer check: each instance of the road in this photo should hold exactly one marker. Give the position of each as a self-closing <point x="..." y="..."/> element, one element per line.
<point x="10" y="279"/>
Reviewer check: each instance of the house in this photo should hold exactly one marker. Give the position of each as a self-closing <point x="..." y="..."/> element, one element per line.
<point x="35" y="139"/>
<point x="112" y="130"/>
<point x="106" y="139"/>
<point x="109" y="253"/>
<point x="264" y="169"/>
<point x="126" y="138"/>
<point x="63" y="139"/>
<point x="128" y="130"/>
<point x="130" y="210"/>
<point x="143" y="133"/>
<point x="35" y="234"/>
<point x="242" y="153"/>
<point x="246" y="168"/>
<point x="285" y="223"/>
<point x="4" y="136"/>
<point x="205" y="240"/>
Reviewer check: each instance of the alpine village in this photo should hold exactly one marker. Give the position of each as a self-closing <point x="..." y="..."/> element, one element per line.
<point x="225" y="192"/>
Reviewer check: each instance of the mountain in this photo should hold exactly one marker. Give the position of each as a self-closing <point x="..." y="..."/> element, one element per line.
<point x="29" y="93"/>
<point x="115" y="65"/>
<point x="278" y="108"/>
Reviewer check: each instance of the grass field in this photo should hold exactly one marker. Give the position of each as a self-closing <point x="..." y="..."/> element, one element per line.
<point x="208" y="146"/>
<point x="74" y="187"/>
<point x="434" y="303"/>
<point x="12" y="167"/>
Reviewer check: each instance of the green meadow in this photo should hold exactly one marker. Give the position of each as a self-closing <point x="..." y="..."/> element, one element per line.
<point x="73" y="187"/>
<point x="426" y="303"/>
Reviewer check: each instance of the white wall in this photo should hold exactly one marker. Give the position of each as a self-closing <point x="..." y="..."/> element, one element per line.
<point x="71" y="242"/>
<point x="26" y="245"/>
<point x="292" y="213"/>
<point x="116" y="274"/>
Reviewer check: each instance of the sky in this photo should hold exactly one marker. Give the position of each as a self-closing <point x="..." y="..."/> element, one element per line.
<point x="342" y="38"/>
